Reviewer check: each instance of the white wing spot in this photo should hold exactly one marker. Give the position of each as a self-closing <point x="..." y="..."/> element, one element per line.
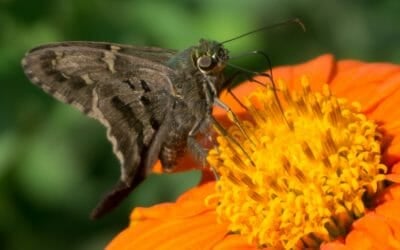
<point x="114" y="48"/>
<point x="35" y="79"/>
<point x="87" y="79"/>
<point x="23" y="62"/>
<point x="109" y="59"/>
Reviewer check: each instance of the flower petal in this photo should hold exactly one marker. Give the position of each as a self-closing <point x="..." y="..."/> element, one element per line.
<point x="318" y="72"/>
<point x="360" y="240"/>
<point x="349" y="64"/>
<point x="390" y="193"/>
<point x="394" y="176"/>
<point x="336" y="245"/>
<point x="367" y="83"/>
<point x="185" y="224"/>
<point x="389" y="211"/>
<point x="387" y="113"/>
<point x="172" y="233"/>
<point x="377" y="230"/>
<point x="188" y="204"/>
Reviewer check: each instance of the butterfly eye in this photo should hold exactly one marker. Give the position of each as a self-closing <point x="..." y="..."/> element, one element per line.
<point x="204" y="62"/>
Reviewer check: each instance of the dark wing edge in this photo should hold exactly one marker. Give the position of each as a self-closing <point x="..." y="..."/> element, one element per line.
<point x="113" y="198"/>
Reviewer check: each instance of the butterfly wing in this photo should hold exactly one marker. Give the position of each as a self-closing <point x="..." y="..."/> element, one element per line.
<point x="119" y="86"/>
<point x="70" y="70"/>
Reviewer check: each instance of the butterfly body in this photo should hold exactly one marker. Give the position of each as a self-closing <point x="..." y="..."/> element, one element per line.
<point x="154" y="102"/>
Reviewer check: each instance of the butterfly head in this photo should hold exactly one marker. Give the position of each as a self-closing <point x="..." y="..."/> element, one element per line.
<point x="210" y="57"/>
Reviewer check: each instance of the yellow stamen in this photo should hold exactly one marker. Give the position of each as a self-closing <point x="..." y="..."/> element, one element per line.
<point x="313" y="166"/>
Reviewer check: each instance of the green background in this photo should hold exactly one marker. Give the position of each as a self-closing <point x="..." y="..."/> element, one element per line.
<point x="55" y="163"/>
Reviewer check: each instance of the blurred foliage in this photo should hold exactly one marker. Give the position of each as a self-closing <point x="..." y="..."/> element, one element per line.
<point x="55" y="163"/>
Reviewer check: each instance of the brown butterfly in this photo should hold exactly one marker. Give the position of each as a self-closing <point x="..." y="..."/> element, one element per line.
<point x="153" y="101"/>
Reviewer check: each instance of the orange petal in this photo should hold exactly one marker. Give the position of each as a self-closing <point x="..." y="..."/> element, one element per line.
<point x="347" y="64"/>
<point x="390" y="193"/>
<point x="185" y="224"/>
<point x="125" y="239"/>
<point x="390" y="208"/>
<point x="371" y="232"/>
<point x="188" y="204"/>
<point x="396" y="168"/>
<point x="360" y="240"/>
<point x="391" y="153"/>
<point x="389" y="211"/>
<point x="336" y="245"/>
<point x="394" y="173"/>
<point x="171" y="233"/>
<point x="376" y="232"/>
<point x="318" y="72"/>
<point x="387" y="113"/>
<point x="366" y="83"/>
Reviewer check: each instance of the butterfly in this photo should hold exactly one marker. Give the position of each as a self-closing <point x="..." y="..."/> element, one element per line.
<point x="154" y="102"/>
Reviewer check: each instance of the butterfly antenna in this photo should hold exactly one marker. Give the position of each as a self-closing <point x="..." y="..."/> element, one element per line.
<point x="237" y="99"/>
<point x="268" y="75"/>
<point x="294" y="20"/>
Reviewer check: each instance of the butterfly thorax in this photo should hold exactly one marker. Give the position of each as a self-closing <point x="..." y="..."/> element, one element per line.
<point x="200" y="74"/>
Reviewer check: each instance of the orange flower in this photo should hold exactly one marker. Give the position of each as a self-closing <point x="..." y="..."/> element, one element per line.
<point x="207" y="218"/>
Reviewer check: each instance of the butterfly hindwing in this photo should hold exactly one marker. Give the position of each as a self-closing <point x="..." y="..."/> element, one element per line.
<point x="133" y="120"/>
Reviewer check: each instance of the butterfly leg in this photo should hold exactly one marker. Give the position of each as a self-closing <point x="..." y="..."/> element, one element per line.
<point x="197" y="150"/>
<point x="233" y="116"/>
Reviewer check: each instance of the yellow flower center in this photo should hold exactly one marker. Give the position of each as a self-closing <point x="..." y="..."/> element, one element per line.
<point x="298" y="175"/>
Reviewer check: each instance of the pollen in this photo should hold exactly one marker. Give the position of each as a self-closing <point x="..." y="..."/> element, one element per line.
<point x="300" y="171"/>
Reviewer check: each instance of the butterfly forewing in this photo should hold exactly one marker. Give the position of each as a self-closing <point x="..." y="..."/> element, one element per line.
<point x="69" y="71"/>
<point x="128" y="89"/>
